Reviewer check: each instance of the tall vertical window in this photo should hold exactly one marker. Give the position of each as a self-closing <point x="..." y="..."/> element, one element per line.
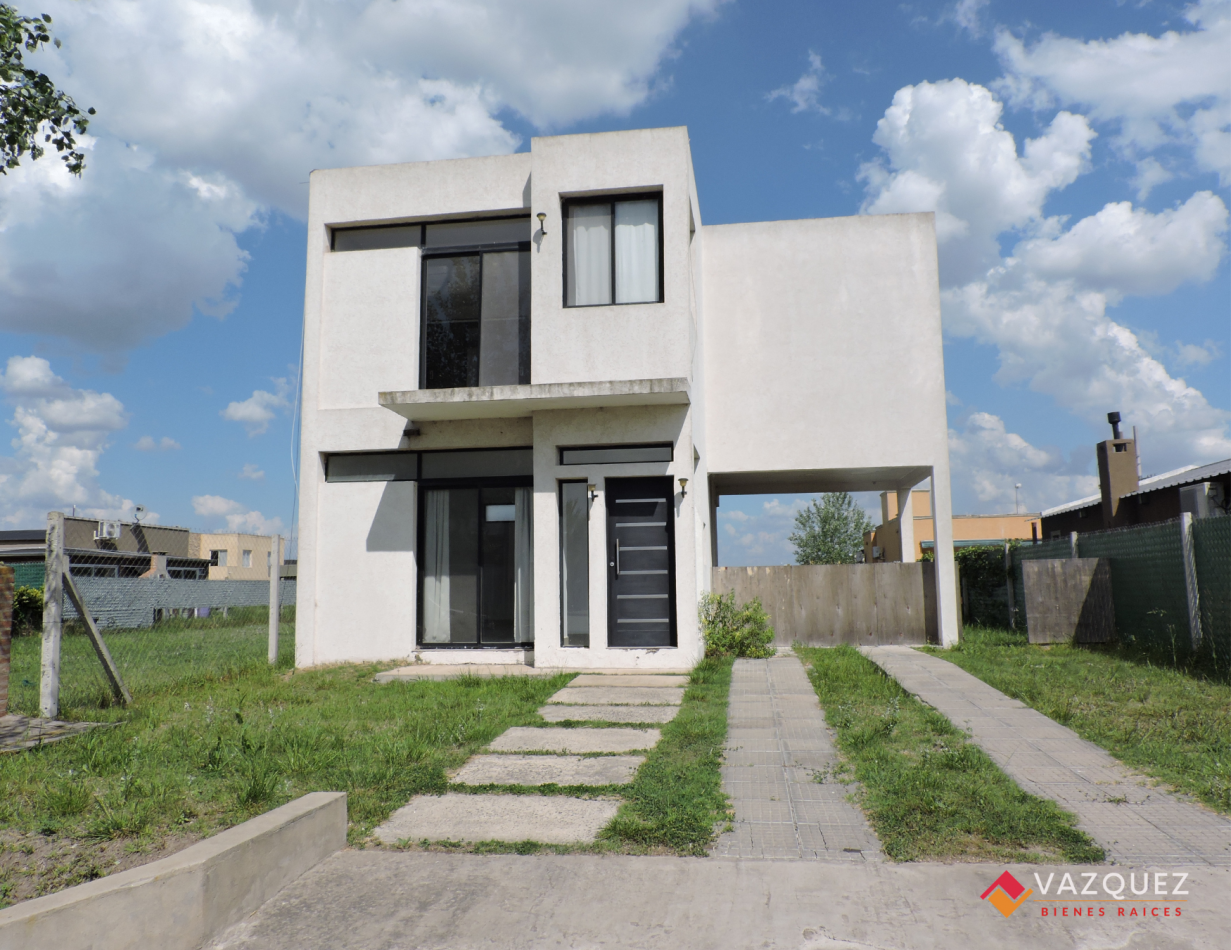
<point x="575" y="564"/>
<point x="613" y="251"/>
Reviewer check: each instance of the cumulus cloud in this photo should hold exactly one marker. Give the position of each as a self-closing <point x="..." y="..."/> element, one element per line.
<point x="215" y="510"/>
<point x="257" y="411"/>
<point x="804" y="94"/>
<point x="252" y="472"/>
<point x="147" y="443"/>
<point x="61" y="432"/>
<point x="1171" y="89"/>
<point x="232" y="102"/>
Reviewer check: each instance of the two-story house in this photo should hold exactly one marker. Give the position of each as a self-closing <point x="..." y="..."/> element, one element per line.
<point x="529" y="379"/>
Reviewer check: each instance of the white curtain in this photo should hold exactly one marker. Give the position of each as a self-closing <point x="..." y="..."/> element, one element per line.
<point x="523" y="566"/>
<point x="589" y="248"/>
<point x="636" y="251"/>
<point x="436" y="568"/>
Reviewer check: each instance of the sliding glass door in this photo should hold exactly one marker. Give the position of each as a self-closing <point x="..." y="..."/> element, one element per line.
<point x="477" y="565"/>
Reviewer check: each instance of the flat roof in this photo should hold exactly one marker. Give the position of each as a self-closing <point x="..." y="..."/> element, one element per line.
<point x="1177" y="476"/>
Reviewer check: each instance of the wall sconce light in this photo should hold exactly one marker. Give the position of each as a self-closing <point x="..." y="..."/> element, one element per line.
<point x="683" y="488"/>
<point x="542" y="217"/>
<point x="590" y="489"/>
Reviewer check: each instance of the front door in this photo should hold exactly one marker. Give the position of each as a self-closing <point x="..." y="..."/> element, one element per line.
<point x="640" y="562"/>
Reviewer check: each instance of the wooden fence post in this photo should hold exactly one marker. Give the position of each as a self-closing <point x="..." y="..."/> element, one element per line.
<point x="56" y="566"/>
<point x="1190" y="578"/>
<point x="275" y="575"/>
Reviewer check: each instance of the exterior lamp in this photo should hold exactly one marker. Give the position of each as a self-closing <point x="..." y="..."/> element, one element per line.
<point x="590" y="489"/>
<point x="542" y="217"/>
<point x="683" y="488"/>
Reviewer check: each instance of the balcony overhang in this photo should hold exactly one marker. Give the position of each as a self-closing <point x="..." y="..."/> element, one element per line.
<point x="509" y="402"/>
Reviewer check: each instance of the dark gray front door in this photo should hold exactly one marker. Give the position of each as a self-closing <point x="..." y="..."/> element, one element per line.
<point x="640" y="562"/>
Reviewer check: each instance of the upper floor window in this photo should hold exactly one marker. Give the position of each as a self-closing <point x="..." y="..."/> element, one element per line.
<point x="613" y="251"/>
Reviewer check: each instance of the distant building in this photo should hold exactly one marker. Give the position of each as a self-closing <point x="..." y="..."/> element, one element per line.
<point x="884" y="542"/>
<point x="106" y="549"/>
<point x="235" y="557"/>
<point x="1126" y="499"/>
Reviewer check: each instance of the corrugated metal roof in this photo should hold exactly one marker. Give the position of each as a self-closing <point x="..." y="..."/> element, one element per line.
<point x="1184" y="476"/>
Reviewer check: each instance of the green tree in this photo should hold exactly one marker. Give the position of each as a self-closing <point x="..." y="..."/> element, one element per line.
<point x="830" y="530"/>
<point x="30" y="104"/>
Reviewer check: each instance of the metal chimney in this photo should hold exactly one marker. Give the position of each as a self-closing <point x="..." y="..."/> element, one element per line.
<point x="1114" y="419"/>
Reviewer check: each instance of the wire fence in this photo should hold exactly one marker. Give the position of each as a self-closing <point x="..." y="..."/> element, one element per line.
<point x="131" y="623"/>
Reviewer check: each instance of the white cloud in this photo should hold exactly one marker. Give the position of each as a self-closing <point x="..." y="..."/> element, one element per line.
<point x="1169" y="89"/>
<point x="804" y="93"/>
<point x="61" y="432"/>
<point x="252" y="472"/>
<point x="1150" y="174"/>
<point x="238" y="517"/>
<point x="147" y="443"/>
<point x="947" y="152"/>
<point x="774" y="508"/>
<point x="966" y="14"/>
<point x="230" y="104"/>
<point x="735" y="515"/>
<point x="1192" y="354"/>
<point x="992" y="460"/>
<point x="258" y="410"/>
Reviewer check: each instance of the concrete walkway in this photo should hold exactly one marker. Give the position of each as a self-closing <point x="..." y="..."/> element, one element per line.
<point x="778" y="772"/>
<point x="592" y="755"/>
<point x="381" y="900"/>
<point x="1135" y="822"/>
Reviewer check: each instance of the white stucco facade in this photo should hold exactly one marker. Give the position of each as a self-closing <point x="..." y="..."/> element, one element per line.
<point x="753" y="372"/>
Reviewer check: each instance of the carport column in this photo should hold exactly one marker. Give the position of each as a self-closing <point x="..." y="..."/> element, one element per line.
<point x="942" y="528"/>
<point x="906" y="522"/>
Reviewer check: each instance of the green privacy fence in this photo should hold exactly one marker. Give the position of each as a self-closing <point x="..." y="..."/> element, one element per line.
<point x="1148" y="586"/>
<point x="28" y="574"/>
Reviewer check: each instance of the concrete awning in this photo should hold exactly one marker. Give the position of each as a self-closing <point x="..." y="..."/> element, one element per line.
<point x="889" y="478"/>
<point x="507" y="402"/>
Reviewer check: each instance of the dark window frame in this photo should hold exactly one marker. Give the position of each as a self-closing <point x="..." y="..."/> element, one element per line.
<point x="612" y="200"/>
<point x="615" y="447"/>
<point x="327" y="456"/>
<point x="421" y="225"/>
<point x="560" y="483"/>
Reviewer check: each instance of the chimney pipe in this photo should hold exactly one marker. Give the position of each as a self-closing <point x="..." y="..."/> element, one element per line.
<point x="1114" y="419"/>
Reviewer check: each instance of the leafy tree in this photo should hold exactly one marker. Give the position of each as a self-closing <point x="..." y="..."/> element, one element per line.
<point x="830" y="530"/>
<point x="30" y="104"/>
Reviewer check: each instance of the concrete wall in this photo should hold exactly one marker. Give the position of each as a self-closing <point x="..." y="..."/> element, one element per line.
<point x="828" y="604"/>
<point x="235" y="544"/>
<point x="1069" y="600"/>
<point x="127" y="603"/>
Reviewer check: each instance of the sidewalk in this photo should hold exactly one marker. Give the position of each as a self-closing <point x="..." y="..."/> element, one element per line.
<point x="777" y="772"/>
<point x="1135" y="822"/>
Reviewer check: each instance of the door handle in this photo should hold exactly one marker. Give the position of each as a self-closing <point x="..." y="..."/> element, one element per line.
<point x="617" y="560"/>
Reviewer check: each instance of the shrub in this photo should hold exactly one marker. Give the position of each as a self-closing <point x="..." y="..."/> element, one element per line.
<point x="735" y="631"/>
<point x="27" y="611"/>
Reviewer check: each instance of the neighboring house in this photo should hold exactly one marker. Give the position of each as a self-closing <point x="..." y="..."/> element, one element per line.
<point x="1125" y="499"/>
<point x="884" y="542"/>
<point x="236" y="557"/>
<point x="529" y="379"/>
<point x="107" y="549"/>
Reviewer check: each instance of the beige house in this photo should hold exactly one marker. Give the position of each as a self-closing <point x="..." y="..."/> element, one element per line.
<point x="235" y="557"/>
<point x="884" y="542"/>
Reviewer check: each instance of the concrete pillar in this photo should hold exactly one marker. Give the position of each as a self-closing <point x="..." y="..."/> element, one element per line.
<point x="275" y="605"/>
<point x="906" y="521"/>
<point x="1190" y="578"/>
<point x="948" y="617"/>
<point x="53" y="616"/>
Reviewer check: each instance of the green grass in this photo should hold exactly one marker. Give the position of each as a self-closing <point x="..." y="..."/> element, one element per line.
<point x="676" y="800"/>
<point x="201" y="756"/>
<point x="1170" y="724"/>
<point x="928" y="792"/>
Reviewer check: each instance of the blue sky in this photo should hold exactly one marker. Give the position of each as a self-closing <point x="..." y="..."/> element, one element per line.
<point x="1078" y="156"/>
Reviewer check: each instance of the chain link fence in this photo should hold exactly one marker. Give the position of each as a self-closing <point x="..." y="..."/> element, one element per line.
<point x="156" y="620"/>
<point x="1212" y="550"/>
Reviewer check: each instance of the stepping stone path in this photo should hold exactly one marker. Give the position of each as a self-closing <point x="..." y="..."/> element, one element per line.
<point x="1135" y="822"/>
<point x="577" y="756"/>
<point x="778" y="772"/>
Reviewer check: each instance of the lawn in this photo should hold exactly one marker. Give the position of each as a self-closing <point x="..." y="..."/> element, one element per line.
<point x="193" y="758"/>
<point x="927" y="792"/>
<point x="1173" y="725"/>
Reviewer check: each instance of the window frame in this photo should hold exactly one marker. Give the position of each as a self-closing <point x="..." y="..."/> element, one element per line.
<point x="615" y="447"/>
<point x="422" y="226"/>
<point x="611" y="201"/>
<point x="564" y="644"/>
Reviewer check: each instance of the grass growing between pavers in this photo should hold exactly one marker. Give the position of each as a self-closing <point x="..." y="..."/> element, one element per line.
<point x="927" y="792"/>
<point x="1170" y="724"/>
<point x="202" y="756"/>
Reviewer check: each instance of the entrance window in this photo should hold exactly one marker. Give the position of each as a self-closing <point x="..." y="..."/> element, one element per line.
<point x="613" y="251"/>
<point x="575" y="564"/>
<point x="477" y="585"/>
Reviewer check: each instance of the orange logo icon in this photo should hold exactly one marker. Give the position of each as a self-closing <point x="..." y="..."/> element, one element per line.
<point x="1006" y="894"/>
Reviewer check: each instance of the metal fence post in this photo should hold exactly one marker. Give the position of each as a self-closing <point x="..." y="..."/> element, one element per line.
<point x="1073" y="544"/>
<point x="55" y="567"/>
<point x="1190" y="578"/>
<point x="275" y="576"/>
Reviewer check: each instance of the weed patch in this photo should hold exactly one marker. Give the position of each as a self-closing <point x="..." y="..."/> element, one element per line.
<point x="927" y="791"/>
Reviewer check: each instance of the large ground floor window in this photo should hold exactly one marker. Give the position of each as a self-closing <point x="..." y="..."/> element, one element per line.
<point x="476" y="573"/>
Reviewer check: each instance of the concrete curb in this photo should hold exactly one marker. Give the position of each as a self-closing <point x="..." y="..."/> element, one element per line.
<point x="180" y="902"/>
